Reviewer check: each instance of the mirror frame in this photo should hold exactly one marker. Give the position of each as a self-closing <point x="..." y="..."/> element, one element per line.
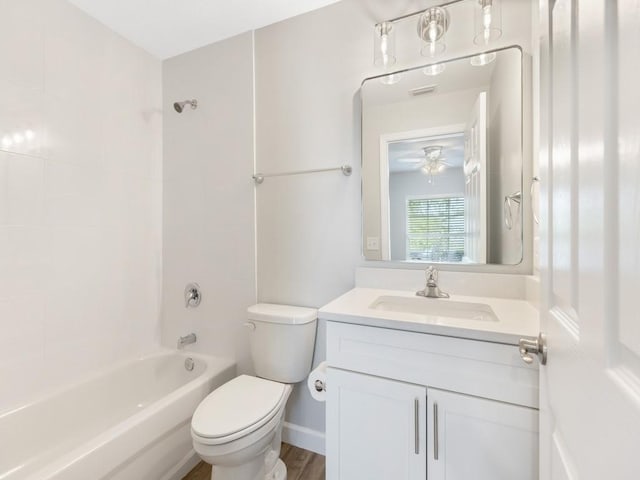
<point x="525" y="265"/>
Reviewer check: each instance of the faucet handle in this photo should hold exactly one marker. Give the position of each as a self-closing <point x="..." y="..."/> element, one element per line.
<point x="431" y="273"/>
<point x="192" y="295"/>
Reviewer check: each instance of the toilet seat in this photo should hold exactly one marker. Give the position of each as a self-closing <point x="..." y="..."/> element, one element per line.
<point x="237" y="409"/>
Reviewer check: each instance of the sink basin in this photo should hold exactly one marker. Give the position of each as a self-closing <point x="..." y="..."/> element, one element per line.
<point x="433" y="307"/>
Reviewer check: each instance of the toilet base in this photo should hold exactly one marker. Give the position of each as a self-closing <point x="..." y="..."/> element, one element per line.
<point x="258" y="461"/>
<point x="279" y="471"/>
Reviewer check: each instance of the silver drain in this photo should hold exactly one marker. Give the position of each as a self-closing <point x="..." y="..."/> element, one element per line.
<point x="189" y="364"/>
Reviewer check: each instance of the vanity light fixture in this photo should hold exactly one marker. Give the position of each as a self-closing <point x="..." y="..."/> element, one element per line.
<point x="432" y="25"/>
<point x="384" y="52"/>
<point x="390" y="79"/>
<point x="433" y="70"/>
<point x="488" y="21"/>
<point x="483" y="59"/>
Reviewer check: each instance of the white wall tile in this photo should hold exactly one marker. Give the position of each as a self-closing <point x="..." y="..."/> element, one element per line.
<point x="22" y="43"/>
<point x="80" y="199"/>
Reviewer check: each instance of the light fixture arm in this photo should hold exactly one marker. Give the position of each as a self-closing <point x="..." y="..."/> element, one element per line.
<point x="420" y="12"/>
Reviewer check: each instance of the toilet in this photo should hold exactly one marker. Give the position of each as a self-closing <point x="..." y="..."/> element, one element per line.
<point x="237" y="428"/>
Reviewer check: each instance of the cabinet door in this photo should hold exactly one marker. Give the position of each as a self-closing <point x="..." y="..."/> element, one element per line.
<point x="376" y="428"/>
<point x="471" y="437"/>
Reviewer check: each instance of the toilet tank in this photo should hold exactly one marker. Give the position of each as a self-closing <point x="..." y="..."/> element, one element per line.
<point x="282" y="338"/>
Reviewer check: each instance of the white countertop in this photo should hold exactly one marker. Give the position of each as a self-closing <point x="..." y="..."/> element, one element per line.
<point x="516" y="318"/>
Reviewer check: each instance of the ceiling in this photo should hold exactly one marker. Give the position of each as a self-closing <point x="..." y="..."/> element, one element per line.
<point x="166" y="28"/>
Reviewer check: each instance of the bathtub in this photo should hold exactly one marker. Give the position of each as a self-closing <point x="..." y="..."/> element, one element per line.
<point x="131" y="422"/>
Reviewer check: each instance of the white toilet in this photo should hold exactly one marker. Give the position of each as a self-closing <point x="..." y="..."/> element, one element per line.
<point x="238" y="427"/>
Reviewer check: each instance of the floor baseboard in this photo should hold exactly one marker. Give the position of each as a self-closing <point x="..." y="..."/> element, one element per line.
<point x="303" y="437"/>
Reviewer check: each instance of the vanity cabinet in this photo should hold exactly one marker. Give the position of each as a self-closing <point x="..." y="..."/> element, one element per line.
<point x="480" y="439"/>
<point x="378" y="428"/>
<point x="412" y="406"/>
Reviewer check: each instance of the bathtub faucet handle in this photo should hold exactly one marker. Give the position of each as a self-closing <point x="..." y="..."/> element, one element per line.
<point x="192" y="295"/>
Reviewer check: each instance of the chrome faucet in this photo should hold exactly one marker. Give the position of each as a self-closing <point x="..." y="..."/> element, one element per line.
<point x="186" y="340"/>
<point x="431" y="290"/>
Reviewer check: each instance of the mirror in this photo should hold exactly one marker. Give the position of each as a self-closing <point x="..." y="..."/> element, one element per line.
<point x="442" y="162"/>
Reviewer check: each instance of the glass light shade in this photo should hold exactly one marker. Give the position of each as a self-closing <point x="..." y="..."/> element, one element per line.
<point x="488" y="21"/>
<point x="483" y="59"/>
<point x="432" y="26"/>
<point x="433" y="50"/>
<point x="390" y="79"/>
<point x="435" y="69"/>
<point x="384" y="45"/>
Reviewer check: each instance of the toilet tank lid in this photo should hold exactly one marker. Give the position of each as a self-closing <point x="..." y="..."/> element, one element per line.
<point x="270" y="312"/>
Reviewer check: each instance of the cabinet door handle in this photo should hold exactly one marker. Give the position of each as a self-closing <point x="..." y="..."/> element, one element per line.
<point x="435" y="431"/>
<point x="416" y="425"/>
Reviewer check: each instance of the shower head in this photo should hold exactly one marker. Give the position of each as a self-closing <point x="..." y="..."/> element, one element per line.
<point x="179" y="106"/>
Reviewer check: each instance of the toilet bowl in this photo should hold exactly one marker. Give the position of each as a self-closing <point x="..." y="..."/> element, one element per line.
<point x="238" y="427"/>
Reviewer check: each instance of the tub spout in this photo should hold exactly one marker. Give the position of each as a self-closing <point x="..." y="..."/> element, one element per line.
<point x="186" y="340"/>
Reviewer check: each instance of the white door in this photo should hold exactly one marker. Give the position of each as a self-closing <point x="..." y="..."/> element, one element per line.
<point x="475" y="179"/>
<point x="480" y="439"/>
<point x="376" y="428"/>
<point x="590" y="238"/>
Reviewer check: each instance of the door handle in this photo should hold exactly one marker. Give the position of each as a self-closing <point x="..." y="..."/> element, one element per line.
<point x="435" y="431"/>
<point x="416" y="426"/>
<point x="538" y="347"/>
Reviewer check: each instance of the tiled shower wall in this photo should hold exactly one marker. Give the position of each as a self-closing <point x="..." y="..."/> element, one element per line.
<point x="80" y="197"/>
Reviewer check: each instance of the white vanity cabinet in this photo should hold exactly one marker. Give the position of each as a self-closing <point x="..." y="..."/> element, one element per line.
<point x="379" y="428"/>
<point x="412" y="406"/>
<point x="480" y="439"/>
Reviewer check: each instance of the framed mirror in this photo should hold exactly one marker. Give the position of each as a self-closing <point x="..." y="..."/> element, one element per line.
<point x="442" y="162"/>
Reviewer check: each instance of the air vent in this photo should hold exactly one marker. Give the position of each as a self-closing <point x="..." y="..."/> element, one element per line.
<point x="422" y="90"/>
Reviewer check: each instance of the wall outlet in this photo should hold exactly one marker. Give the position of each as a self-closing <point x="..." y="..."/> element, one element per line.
<point x="373" y="243"/>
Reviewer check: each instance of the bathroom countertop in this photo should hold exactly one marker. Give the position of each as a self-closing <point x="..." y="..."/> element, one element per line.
<point x="515" y="318"/>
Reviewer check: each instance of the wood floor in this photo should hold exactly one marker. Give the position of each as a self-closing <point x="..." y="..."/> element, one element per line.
<point x="301" y="465"/>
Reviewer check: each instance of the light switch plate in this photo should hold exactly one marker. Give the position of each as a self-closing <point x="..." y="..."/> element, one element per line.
<point x="373" y="243"/>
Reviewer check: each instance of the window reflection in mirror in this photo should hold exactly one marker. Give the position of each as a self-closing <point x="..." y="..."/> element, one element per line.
<point x="441" y="153"/>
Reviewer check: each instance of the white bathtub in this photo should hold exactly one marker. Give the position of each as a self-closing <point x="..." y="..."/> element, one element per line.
<point x="131" y="422"/>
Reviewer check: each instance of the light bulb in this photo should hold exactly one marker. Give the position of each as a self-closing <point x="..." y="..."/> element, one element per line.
<point x="384" y="48"/>
<point x="18" y="138"/>
<point x="433" y="32"/>
<point x="29" y="134"/>
<point x="6" y="141"/>
<point x="488" y="21"/>
<point x="486" y="16"/>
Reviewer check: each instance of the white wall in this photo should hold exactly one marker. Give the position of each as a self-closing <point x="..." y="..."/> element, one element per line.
<point x="80" y="197"/>
<point x="209" y="235"/>
<point x="505" y="160"/>
<point x="308" y="74"/>
<point x="405" y="184"/>
<point x="308" y="70"/>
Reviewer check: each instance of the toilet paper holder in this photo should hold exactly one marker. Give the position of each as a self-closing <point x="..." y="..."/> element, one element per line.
<point x="320" y="386"/>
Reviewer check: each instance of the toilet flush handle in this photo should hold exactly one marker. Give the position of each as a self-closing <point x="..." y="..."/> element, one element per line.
<point x="250" y="325"/>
